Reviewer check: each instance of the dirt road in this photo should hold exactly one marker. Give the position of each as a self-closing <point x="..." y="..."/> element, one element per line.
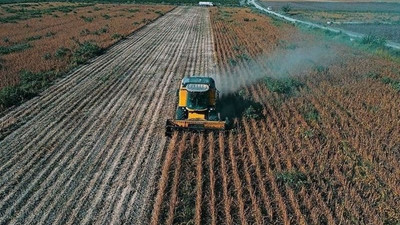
<point x="87" y="150"/>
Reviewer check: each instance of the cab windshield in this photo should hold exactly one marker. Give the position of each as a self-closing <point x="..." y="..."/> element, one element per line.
<point x="197" y="100"/>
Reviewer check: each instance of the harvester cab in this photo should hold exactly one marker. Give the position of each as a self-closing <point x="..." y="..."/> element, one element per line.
<point x="196" y="111"/>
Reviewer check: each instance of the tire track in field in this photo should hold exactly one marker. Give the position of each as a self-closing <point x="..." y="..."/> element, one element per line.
<point x="87" y="150"/>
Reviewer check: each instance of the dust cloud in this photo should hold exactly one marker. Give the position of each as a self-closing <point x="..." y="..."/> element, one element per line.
<point x="287" y="62"/>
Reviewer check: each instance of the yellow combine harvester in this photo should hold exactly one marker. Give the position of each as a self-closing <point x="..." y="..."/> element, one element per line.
<point x="196" y="107"/>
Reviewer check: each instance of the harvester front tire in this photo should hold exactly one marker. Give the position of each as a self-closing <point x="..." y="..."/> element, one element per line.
<point x="213" y="116"/>
<point x="180" y="114"/>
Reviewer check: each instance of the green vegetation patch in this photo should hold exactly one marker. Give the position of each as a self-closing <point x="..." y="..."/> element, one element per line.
<point x="310" y="113"/>
<point x="2" y="63"/>
<point x="102" y="30"/>
<point x="133" y="10"/>
<point x="294" y="179"/>
<point x="116" y="36"/>
<point x="106" y="16"/>
<point x="32" y="38"/>
<point x="395" y="84"/>
<point x="50" y="34"/>
<point x="23" y="13"/>
<point x="286" y="8"/>
<point x="321" y="69"/>
<point x="85" y="51"/>
<point x="61" y="52"/>
<point x="243" y="57"/>
<point x="285" y="85"/>
<point x="373" y="41"/>
<point x="14" y="48"/>
<point x="160" y="13"/>
<point x="47" y="56"/>
<point x="31" y="84"/>
<point x="254" y="111"/>
<point x="232" y="62"/>
<point x="87" y="19"/>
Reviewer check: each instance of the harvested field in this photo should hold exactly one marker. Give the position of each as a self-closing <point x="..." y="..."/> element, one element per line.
<point x="87" y="149"/>
<point x="41" y="37"/>
<point x="320" y="144"/>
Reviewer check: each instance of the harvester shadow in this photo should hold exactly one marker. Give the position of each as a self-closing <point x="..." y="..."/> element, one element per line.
<point x="235" y="106"/>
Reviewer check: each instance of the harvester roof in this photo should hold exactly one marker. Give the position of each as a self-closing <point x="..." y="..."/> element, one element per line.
<point x="198" y="80"/>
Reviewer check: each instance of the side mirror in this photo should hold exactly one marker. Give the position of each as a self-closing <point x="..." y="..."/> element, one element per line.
<point x="177" y="93"/>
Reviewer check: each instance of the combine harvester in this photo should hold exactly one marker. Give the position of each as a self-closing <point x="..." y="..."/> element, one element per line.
<point x="196" y="107"/>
